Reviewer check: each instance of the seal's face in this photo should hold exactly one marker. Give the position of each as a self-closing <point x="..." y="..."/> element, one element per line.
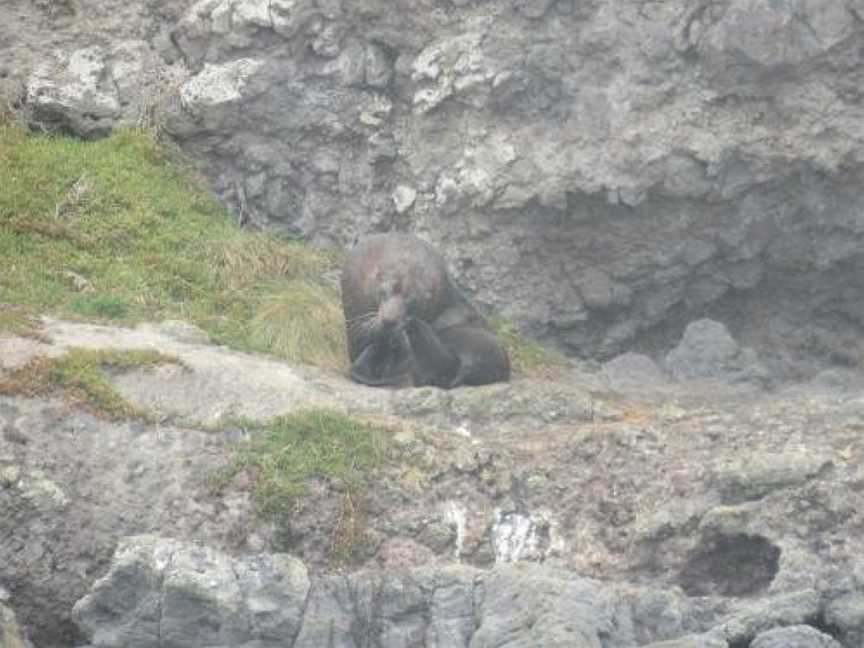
<point x="395" y="306"/>
<point x="391" y="314"/>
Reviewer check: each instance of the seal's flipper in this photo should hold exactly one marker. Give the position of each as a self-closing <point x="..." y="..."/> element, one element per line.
<point x="434" y="362"/>
<point x="382" y="363"/>
<point x="482" y="358"/>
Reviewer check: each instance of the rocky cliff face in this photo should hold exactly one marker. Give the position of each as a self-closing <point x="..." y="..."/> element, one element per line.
<point x="605" y="173"/>
<point x="166" y="593"/>
<point x="600" y="172"/>
<point x="609" y="510"/>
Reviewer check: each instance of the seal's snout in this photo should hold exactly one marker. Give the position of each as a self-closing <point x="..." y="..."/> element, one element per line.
<point x="391" y="313"/>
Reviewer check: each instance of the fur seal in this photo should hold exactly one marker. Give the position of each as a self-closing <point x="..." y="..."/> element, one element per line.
<point x="408" y="324"/>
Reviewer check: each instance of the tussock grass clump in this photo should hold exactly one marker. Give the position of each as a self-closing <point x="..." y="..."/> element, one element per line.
<point x="299" y="320"/>
<point x="527" y="358"/>
<point x="243" y="261"/>
<point x="321" y="444"/>
<point x="80" y="375"/>
<point x="121" y="229"/>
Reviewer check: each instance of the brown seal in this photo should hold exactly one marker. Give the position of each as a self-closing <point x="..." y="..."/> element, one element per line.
<point x="407" y="322"/>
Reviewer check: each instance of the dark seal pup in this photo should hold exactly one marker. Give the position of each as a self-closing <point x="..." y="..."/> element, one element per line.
<point x="408" y="324"/>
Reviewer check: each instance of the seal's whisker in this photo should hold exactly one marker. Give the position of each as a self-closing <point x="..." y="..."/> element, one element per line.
<point x="361" y="324"/>
<point x="362" y="316"/>
<point x="360" y="320"/>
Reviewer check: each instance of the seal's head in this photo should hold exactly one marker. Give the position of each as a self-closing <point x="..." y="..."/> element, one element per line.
<point x="393" y="311"/>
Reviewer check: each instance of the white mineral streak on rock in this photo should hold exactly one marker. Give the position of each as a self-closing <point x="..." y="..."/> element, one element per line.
<point x="515" y="537"/>
<point x="455" y="515"/>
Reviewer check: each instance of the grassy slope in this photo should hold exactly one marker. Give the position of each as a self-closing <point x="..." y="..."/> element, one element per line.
<point x="116" y="229"/>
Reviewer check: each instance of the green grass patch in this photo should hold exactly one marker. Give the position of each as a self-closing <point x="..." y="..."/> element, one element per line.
<point x="120" y="229"/>
<point x="288" y="452"/>
<point x="527" y="358"/>
<point x="100" y="306"/>
<point x="80" y="375"/>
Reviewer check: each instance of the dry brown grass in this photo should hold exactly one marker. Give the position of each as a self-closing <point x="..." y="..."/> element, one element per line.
<point x="79" y="376"/>
<point x="301" y="320"/>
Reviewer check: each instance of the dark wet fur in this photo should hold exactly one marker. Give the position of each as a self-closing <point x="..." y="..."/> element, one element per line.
<point x="434" y="337"/>
<point x="383" y="362"/>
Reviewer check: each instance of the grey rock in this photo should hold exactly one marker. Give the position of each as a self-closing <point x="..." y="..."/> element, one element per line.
<point x="216" y="89"/>
<point x="159" y="590"/>
<point x="79" y="99"/>
<point x="846" y="614"/>
<point x="545" y="401"/>
<point x="599" y="291"/>
<point x="673" y="518"/>
<point x="184" y="332"/>
<point x="837" y="379"/>
<point x="691" y="641"/>
<point x="387" y="610"/>
<point x="527" y="607"/>
<point x="532" y="8"/>
<point x="757" y="474"/>
<point x="166" y="591"/>
<point x="774" y="34"/>
<point x="96" y="89"/>
<point x="163" y="590"/>
<point x="788" y="610"/>
<point x="378" y="69"/>
<point x="707" y="350"/>
<point x="633" y="369"/>
<point x="799" y="636"/>
<point x="438" y="536"/>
